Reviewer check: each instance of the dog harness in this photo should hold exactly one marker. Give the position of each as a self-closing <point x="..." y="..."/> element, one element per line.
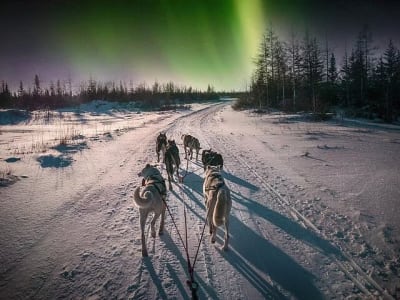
<point x="158" y="182"/>
<point x="219" y="184"/>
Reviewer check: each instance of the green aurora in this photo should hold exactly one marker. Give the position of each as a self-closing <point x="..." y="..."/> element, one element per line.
<point x="189" y="42"/>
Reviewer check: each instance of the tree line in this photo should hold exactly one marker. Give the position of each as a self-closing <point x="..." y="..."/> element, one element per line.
<point x="301" y="74"/>
<point x="60" y="94"/>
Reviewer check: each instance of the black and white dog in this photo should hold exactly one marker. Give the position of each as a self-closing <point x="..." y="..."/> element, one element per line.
<point x="211" y="158"/>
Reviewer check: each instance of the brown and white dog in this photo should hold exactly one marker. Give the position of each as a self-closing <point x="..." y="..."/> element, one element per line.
<point x="190" y="143"/>
<point x="150" y="198"/>
<point x="218" y="202"/>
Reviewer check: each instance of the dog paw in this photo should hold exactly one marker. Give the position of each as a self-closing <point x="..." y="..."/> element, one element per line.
<point x="145" y="254"/>
<point x="160" y="232"/>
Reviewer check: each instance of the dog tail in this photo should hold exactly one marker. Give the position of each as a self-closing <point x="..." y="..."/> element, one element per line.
<point x="144" y="201"/>
<point x="222" y="207"/>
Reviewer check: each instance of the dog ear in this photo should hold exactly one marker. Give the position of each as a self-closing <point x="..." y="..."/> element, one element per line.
<point x="147" y="166"/>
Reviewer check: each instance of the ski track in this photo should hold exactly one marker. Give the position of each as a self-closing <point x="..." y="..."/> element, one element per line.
<point x="277" y="251"/>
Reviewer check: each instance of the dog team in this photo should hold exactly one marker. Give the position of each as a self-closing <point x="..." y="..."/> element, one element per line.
<point x="152" y="195"/>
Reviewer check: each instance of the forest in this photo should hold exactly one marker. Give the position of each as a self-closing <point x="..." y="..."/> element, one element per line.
<point x="302" y="74"/>
<point x="62" y="94"/>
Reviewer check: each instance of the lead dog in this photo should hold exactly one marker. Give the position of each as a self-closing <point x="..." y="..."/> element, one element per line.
<point x="190" y="143"/>
<point x="172" y="161"/>
<point x="218" y="202"/>
<point x="150" y="198"/>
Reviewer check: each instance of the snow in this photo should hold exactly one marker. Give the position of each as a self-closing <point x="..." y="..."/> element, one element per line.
<point x="314" y="212"/>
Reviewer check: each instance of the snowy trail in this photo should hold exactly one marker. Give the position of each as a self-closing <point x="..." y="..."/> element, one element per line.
<point x="255" y="264"/>
<point x="74" y="233"/>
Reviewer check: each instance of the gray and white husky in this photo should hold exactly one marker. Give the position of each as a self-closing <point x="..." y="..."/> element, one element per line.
<point x="190" y="143"/>
<point x="150" y="198"/>
<point x="172" y="161"/>
<point x="218" y="202"/>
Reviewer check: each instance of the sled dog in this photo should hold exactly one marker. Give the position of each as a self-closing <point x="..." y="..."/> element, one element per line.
<point x="190" y="143"/>
<point x="161" y="145"/>
<point x="211" y="158"/>
<point x="218" y="202"/>
<point x="172" y="161"/>
<point x="150" y="198"/>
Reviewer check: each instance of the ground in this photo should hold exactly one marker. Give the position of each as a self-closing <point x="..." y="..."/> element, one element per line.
<point x="314" y="212"/>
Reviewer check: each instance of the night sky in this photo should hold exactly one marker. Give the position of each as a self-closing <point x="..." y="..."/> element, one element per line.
<point x="191" y="42"/>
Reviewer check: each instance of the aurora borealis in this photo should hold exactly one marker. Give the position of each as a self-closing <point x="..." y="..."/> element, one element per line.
<point x="191" y="42"/>
<point x="202" y="42"/>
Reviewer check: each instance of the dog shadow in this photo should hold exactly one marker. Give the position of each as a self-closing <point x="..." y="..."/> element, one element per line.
<point x="189" y="207"/>
<point x="239" y="181"/>
<point x="251" y="254"/>
<point x="154" y="277"/>
<point x="204" y="292"/>
<point x="289" y="226"/>
<point x="192" y="182"/>
<point x="228" y="176"/>
<point x="254" y="257"/>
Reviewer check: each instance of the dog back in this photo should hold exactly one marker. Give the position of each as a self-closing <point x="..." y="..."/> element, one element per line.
<point x="222" y="206"/>
<point x="211" y="158"/>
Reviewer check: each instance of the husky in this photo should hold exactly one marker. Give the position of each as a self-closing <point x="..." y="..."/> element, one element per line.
<point x="150" y="198"/>
<point x="172" y="161"/>
<point x="211" y="158"/>
<point x="218" y="202"/>
<point x="161" y="145"/>
<point x="190" y="143"/>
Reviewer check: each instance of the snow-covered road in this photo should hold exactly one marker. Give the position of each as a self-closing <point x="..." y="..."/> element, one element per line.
<point x="73" y="232"/>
